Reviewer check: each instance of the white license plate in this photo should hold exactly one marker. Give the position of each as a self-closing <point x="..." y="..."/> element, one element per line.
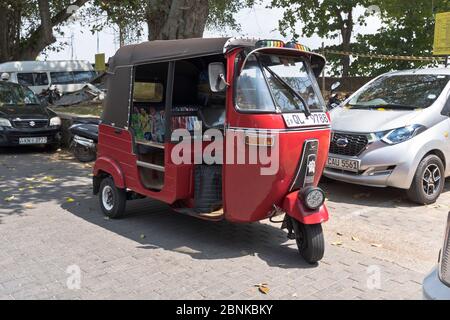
<point x="343" y="164"/>
<point x="295" y="120"/>
<point x="40" y="140"/>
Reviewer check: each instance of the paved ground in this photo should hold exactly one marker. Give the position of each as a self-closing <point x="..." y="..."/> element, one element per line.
<point x="379" y="246"/>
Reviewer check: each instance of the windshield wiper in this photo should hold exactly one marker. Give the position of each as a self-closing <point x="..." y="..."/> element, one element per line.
<point x="381" y="106"/>
<point x="290" y="89"/>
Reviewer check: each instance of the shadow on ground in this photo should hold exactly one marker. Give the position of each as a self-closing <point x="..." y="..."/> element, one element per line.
<point x="152" y="225"/>
<point x="31" y="176"/>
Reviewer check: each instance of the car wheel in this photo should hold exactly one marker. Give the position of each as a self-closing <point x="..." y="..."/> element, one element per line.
<point x="51" y="148"/>
<point x="112" y="199"/>
<point x="428" y="181"/>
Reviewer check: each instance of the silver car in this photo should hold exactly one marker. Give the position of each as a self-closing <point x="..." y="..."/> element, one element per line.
<point x="395" y="131"/>
<point x="436" y="285"/>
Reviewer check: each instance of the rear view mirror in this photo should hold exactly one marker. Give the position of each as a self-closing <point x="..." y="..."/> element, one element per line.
<point x="335" y="85"/>
<point x="217" y="79"/>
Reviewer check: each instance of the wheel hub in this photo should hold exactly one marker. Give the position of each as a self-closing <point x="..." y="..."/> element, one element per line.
<point x="431" y="180"/>
<point x="108" y="198"/>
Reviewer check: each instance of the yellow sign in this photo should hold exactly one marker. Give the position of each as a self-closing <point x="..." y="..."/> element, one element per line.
<point x="442" y="35"/>
<point x="100" y="62"/>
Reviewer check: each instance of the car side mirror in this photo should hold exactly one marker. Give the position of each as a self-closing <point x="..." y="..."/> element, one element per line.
<point x="335" y="85"/>
<point x="217" y="79"/>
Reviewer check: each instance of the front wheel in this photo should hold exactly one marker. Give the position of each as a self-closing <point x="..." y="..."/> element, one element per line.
<point x="310" y="241"/>
<point x="112" y="199"/>
<point x="428" y="181"/>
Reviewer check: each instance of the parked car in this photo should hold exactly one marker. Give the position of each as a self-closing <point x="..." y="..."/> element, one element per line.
<point x="67" y="76"/>
<point x="24" y="121"/>
<point x="436" y="285"/>
<point x="395" y="132"/>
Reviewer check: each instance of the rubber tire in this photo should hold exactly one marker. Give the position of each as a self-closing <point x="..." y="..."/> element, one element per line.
<point x="415" y="192"/>
<point x="83" y="155"/>
<point x="314" y="248"/>
<point x="52" y="148"/>
<point x="119" y="197"/>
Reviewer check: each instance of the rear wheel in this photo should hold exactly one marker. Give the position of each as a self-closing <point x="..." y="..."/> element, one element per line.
<point x="310" y="241"/>
<point x="428" y="181"/>
<point x="112" y="199"/>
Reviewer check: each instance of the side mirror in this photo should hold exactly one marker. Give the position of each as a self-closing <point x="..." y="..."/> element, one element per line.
<point x="217" y="80"/>
<point x="335" y="85"/>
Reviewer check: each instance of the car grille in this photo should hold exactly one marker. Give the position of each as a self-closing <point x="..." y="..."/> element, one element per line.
<point x="357" y="143"/>
<point x="444" y="267"/>
<point x="32" y="124"/>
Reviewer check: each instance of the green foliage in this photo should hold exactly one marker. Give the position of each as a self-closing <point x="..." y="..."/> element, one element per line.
<point x="407" y="28"/>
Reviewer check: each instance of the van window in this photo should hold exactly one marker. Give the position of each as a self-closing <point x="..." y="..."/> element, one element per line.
<point x="70" y="77"/>
<point x="62" y="77"/>
<point x="83" y="76"/>
<point x="33" y="79"/>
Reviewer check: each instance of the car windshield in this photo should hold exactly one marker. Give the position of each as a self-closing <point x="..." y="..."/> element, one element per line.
<point x="273" y="83"/>
<point x="401" y="92"/>
<point x="15" y="95"/>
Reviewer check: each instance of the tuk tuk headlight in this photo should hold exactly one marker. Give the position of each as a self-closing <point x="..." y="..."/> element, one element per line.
<point x="5" y="123"/>
<point x="55" y="122"/>
<point x="403" y="134"/>
<point x="312" y="198"/>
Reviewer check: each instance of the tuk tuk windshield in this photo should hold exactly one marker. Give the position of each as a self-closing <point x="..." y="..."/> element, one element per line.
<point x="273" y="83"/>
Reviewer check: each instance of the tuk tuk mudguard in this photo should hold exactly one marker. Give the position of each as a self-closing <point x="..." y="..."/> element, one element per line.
<point x="105" y="165"/>
<point x="295" y="209"/>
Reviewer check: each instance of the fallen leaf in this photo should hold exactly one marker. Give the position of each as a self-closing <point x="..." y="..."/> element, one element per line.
<point x="295" y="295"/>
<point x="142" y="236"/>
<point x="336" y="243"/>
<point x="30" y="179"/>
<point x="355" y="238"/>
<point x="48" y="179"/>
<point x="29" y="206"/>
<point x="21" y="189"/>
<point x="9" y="199"/>
<point x="264" y="290"/>
<point x="376" y="245"/>
<point x="339" y="234"/>
<point x="70" y="200"/>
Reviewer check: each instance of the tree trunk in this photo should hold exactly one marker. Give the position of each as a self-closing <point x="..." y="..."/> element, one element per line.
<point x="12" y="47"/>
<point x="46" y="21"/>
<point x="346" y="32"/>
<point x="176" y="19"/>
<point x="4" y="30"/>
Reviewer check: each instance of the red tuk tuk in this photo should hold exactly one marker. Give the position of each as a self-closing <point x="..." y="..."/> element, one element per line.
<point x="187" y="122"/>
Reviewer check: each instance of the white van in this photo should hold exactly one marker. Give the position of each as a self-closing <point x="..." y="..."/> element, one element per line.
<point x="67" y="76"/>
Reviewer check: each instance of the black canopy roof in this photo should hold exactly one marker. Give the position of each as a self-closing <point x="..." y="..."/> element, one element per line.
<point x="166" y="50"/>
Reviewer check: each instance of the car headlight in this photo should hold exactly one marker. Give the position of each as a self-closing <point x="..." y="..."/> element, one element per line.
<point x="403" y="134"/>
<point x="55" y="122"/>
<point x="5" y="123"/>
